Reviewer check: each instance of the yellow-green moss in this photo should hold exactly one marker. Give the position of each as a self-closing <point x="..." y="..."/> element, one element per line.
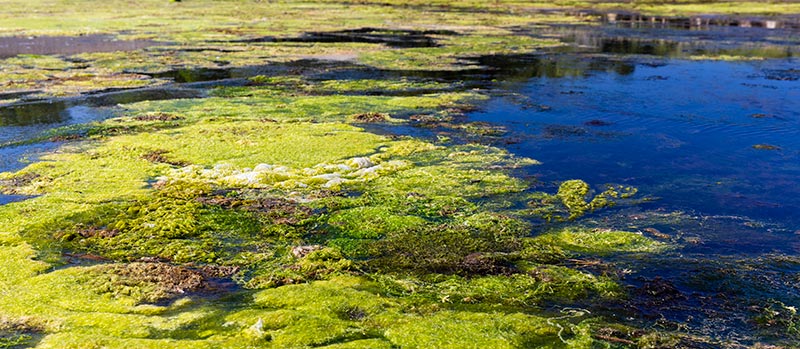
<point x="600" y="241"/>
<point x="574" y="200"/>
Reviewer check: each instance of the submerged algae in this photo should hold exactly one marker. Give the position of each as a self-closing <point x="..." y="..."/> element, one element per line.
<point x="574" y="200"/>
<point x="600" y="241"/>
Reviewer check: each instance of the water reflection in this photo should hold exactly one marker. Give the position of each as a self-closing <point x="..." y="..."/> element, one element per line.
<point x="672" y="43"/>
<point x="76" y="110"/>
<point x="638" y="20"/>
<point x="523" y="67"/>
<point x="47" y="112"/>
<point x="682" y="131"/>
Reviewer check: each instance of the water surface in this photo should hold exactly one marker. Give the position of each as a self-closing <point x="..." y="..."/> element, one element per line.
<point x="709" y="136"/>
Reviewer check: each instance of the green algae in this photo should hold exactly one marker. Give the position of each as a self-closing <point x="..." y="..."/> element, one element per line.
<point x="214" y="35"/>
<point x="464" y="330"/>
<point x="574" y="200"/>
<point x="326" y="235"/>
<point x="174" y="226"/>
<point x="297" y="85"/>
<point x="207" y="39"/>
<point x="270" y="103"/>
<point x="348" y="308"/>
<point x="600" y="241"/>
<point x="454" y="52"/>
<point x="532" y="287"/>
<point x="317" y="215"/>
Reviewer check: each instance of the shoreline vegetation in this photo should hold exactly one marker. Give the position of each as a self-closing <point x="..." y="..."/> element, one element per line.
<point x="319" y="184"/>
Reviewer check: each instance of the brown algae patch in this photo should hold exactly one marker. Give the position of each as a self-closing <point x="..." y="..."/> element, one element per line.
<point x="766" y="147"/>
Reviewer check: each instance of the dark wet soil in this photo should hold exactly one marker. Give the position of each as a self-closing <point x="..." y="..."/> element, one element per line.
<point x="390" y="37"/>
<point x="175" y="280"/>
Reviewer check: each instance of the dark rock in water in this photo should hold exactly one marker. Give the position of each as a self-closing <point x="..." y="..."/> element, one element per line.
<point x="370" y="117"/>
<point x="596" y="122"/>
<point x="782" y="74"/>
<point x="563" y="131"/>
<point x="485" y="264"/>
<point x="660" y="291"/>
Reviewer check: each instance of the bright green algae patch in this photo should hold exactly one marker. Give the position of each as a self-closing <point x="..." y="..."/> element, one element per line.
<point x="149" y="232"/>
<point x="266" y="216"/>
<point x="600" y="242"/>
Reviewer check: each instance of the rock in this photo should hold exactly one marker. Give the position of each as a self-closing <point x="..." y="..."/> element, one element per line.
<point x="302" y="251"/>
<point x="361" y="162"/>
<point x="367" y="171"/>
<point x="245" y="178"/>
<point x="263" y="168"/>
<point x="223" y="167"/>
<point x="258" y="327"/>
<point x="328" y="176"/>
<point x="334" y="182"/>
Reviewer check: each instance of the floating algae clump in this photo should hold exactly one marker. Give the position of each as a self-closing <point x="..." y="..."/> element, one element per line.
<point x="573" y="200"/>
<point x="599" y="241"/>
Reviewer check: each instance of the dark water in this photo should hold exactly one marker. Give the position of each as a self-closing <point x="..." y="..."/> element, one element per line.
<point x="716" y="137"/>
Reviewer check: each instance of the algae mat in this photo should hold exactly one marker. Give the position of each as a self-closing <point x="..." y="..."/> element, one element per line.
<point x="315" y="182"/>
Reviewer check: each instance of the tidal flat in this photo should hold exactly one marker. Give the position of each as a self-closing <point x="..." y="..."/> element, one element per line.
<point x="399" y="174"/>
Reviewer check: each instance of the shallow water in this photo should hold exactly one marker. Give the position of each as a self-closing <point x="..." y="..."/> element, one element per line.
<point x="686" y="132"/>
<point x="715" y="145"/>
<point x="47" y="45"/>
<point x="34" y="123"/>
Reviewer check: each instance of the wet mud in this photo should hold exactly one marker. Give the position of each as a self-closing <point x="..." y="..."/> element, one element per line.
<point x="398" y="38"/>
<point x="67" y="45"/>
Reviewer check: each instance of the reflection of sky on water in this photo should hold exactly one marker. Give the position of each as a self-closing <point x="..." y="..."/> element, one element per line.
<point x="683" y="131"/>
<point x="13" y="158"/>
<point x="27" y="121"/>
